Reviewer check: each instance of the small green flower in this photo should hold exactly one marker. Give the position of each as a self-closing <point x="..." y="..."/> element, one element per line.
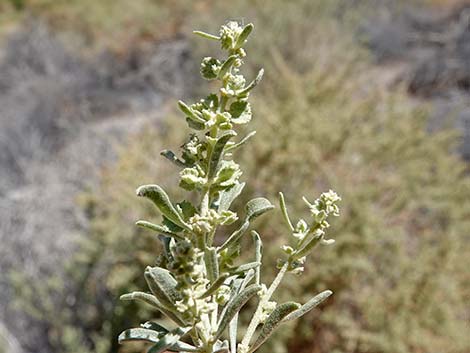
<point x="210" y="68"/>
<point x="229" y="34"/>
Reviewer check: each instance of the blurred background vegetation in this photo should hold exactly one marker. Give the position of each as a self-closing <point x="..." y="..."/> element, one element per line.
<point x="369" y="98"/>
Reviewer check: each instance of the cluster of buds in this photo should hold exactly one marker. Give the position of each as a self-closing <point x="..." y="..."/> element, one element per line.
<point x="186" y="266"/>
<point x="208" y="223"/>
<point x="306" y="235"/>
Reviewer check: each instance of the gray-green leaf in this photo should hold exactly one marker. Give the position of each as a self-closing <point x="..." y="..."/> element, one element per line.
<point x="217" y="152"/>
<point x="196" y="125"/>
<point x="172" y="158"/>
<point x="316" y="300"/>
<point x="214" y="286"/>
<point x="155" y="327"/>
<point x="153" y="301"/>
<point x="169" y="340"/>
<point x="256" y="207"/>
<point x="258" y="253"/>
<point x="158" y="228"/>
<point x="226" y="65"/>
<point x="273" y="321"/>
<point x="206" y="35"/>
<point x="308" y="247"/>
<point x="240" y="143"/>
<point x="138" y="334"/>
<point x="227" y="196"/>
<point x="159" y="197"/>
<point x="163" y="285"/>
<point x="244" y="35"/>
<point x="244" y="92"/>
<point x="240" y="112"/>
<point x="245" y="267"/>
<point x="235" y="305"/>
<point x="189" y="112"/>
<point x="235" y="236"/>
<point x="210" y="259"/>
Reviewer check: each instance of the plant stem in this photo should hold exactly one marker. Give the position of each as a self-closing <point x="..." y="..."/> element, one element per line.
<point x="205" y="203"/>
<point x="256" y="317"/>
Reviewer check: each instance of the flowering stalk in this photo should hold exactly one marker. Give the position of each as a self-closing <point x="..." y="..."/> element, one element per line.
<point x="195" y="282"/>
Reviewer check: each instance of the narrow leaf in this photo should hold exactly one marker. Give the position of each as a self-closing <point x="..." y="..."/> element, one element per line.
<point x="151" y="300"/>
<point x="214" y="286"/>
<point x="226" y="66"/>
<point x="170" y="339"/>
<point x="235" y="236"/>
<point x="235" y="305"/>
<point x="210" y="259"/>
<point x="244" y="35"/>
<point x="206" y="35"/>
<point x="155" y="327"/>
<point x="145" y="297"/>
<point x="308" y="247"/>
<point x="304" y="309"/>
<point x="163" y="285"/>
<point x="240" y="112"/>
<point x="217" y="152"/>
<point x="187" y="209"/>
<point x="166" y="242"/>
<point x="189" y="112"/>
<point x="196" y="125"/>
<point x="258" y="254"/>
<point x="232" y="333"/>
<point x="273" y="321"/>
<point x="245" y="267"/>
<point x="158" y="228"/>
<point x="282" y="204"/>
<point x="241" y="143"/>
<point x="227" y="196"/>
<point x="256" y="207"/>
<point x="138" y="334"/>
<point x="172" y="158"/>
<point x="159" y="197"/>
<point x="171" y="226"/>
<point x="252" y="85"/>
<point x="248" y="277"/>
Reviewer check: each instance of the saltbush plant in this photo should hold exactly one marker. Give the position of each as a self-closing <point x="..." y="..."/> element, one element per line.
<point x="398" y="269"/>
<point x="197" y="282"/>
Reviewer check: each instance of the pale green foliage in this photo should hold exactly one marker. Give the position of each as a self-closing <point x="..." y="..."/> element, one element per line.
<point x="403" y="227"/>
<point x="399" y="267"/>
<point x="196" y="282"/>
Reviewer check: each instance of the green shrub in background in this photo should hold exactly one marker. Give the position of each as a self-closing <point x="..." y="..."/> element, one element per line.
<point x="398" y="269"/>
<point x="399" y="272"/>
<point x="398" y="266"/>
